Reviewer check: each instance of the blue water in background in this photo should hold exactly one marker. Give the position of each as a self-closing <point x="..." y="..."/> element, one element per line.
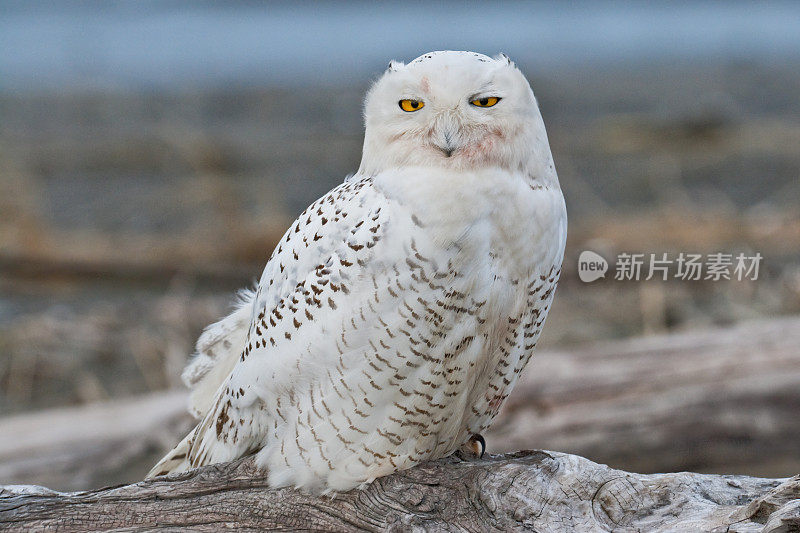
<point x="149" y="44"/>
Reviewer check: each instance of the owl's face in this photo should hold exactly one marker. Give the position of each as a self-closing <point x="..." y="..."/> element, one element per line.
<point x="457" y="110"/>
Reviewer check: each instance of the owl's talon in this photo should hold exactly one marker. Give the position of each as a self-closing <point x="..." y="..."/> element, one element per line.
<point x="474" y="448"/>
<point x="482" y="442"/>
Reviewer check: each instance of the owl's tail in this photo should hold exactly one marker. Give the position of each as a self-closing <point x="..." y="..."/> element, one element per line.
<point x="175" y="461"/>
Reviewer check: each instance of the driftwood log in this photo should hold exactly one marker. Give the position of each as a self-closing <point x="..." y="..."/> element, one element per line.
<point x="724" y="400"/>
<point x="534" y="491"/>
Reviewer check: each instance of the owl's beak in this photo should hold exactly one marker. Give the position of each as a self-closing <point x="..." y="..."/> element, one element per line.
<point x="446" y="141"/>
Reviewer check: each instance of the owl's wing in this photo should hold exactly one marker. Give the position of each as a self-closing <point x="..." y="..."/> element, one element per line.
<point x="314" y="234"/>
<point x="328" y="252"/>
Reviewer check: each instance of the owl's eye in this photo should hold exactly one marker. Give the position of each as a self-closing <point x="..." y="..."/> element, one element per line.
<point x="486" y="101"/>
<point x="411" y="105"/>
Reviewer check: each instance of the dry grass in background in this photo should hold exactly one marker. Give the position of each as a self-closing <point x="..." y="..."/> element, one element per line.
<point x="127" y="220"/>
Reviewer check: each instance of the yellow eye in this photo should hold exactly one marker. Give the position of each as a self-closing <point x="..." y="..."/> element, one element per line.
<point x="411" y="105"/>
<point x="486" y="101"/>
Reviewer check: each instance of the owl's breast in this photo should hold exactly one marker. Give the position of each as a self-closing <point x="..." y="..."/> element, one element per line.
<point x="487" y="209"/>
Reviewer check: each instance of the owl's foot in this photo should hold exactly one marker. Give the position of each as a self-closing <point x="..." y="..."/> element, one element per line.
<point x="474" y="448"/>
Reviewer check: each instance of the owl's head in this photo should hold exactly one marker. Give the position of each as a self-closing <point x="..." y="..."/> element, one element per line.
<point x="456" y="110"/>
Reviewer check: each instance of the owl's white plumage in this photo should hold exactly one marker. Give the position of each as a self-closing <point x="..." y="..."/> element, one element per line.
<point x="394" y="317"/>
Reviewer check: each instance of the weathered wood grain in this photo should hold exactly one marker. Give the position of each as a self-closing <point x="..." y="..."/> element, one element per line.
<point x="533" y="491"/>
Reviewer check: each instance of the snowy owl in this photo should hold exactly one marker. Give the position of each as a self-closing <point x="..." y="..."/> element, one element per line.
<point x="395" y="315"/>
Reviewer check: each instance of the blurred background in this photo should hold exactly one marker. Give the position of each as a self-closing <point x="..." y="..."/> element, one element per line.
<point x="152" y="153"/>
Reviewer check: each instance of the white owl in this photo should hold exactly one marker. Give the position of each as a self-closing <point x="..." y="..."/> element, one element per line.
<point x="396" y="314"/>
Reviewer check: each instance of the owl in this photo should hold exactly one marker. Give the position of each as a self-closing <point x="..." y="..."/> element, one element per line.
<point x="394" y="317"/>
